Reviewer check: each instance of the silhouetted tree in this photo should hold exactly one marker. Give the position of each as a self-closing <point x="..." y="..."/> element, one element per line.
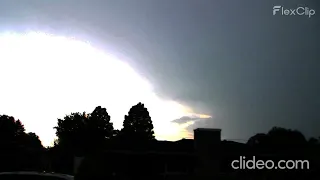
<point x="19" y="150"/>
<point x="137" y="125"/>
<point x="70" y="130"/>
<point x="99" y="124"/>
<point x="279" y="139"/>
<point x="12" y="133"/>
<point x="11" y="130"/>
<point x="32" y="141"/>
<point x="84" y="132"/>
<point x="278" y="136"/>
<point x="286" y="137"/>
<point x="313" y="141"/>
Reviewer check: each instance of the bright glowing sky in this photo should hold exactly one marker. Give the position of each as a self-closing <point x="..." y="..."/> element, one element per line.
<point x="44" y="77"/>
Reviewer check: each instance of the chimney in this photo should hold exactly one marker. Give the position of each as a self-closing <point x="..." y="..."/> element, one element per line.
<point x="207" y="146"/>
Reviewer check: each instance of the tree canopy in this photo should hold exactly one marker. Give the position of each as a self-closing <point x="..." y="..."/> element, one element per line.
<point x="84" y="131"/>
<point x="278" y="137"/>
<point x="99" y="123"/>
<point x="12" y="133"/>
<point x="282" y="136"/>
<point x="137" y="125"/>
<point x="11" y="130"/>
<point x="19" y="149"/>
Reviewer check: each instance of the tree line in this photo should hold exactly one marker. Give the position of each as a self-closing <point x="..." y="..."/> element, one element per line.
<point x="77" y="134"/>
<point x="84" y="134"/>
<point x="13" y="134"/>
<point x="83" y="131"/>
<point x="88" y="132"/>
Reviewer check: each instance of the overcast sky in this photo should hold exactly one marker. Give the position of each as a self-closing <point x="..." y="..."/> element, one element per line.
<point x="232" y="60"/>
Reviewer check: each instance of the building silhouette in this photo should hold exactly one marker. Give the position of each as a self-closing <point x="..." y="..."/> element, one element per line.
<point x="206" y="156"/>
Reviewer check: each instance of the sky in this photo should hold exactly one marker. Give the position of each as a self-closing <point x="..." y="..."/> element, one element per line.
<point x="208" y="63"/>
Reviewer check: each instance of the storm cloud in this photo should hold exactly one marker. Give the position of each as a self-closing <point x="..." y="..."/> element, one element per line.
<point x="232" y="60"/>
<point x="187" y="119"/>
